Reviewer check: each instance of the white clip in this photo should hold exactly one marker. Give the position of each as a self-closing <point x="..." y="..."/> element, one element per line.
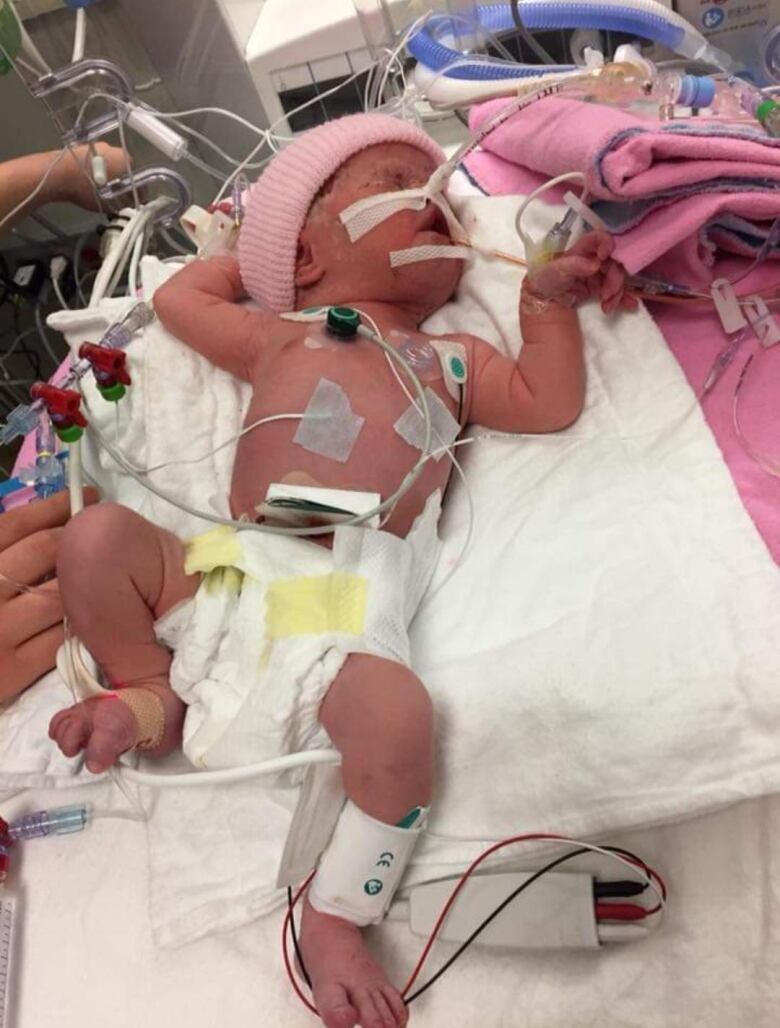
<point x="591" y="219"/>
<point x="762" y="321"/>
<point x="726" y="304"/>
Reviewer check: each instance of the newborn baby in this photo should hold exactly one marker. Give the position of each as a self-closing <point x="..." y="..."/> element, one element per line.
<point x="128" y="586"/>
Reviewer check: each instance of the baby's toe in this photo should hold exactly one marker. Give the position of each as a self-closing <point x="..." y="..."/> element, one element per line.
<point x="370" y="1014"/>
<point x="335" y="1008"/>
<point x="396" y="1004"/>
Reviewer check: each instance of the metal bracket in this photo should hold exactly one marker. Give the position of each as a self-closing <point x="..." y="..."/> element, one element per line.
<point x="165" y="176"/>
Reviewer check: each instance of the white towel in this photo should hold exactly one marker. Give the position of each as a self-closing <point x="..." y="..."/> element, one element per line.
<point x="604" y="657"/>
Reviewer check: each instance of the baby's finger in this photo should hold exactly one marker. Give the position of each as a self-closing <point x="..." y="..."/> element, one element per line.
<point x="612" y="282"/>
<point x="72" y="732"/>
<point x="596" y="244"/>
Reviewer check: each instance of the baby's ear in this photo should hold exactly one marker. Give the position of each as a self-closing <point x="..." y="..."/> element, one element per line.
<point x="308" y="269"/>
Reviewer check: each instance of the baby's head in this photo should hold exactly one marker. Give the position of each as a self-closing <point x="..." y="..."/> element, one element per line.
<point x="293" y="249"/>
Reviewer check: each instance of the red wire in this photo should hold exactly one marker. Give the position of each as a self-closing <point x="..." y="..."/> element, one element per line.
<point x="620" y="912"/>
<point x="285" y="953"/>
<point x="467" y="874"/>
<point x="649" y="871"/>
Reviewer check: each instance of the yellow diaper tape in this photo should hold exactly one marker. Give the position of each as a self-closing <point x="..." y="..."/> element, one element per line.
<point x="315" y="605"/>
<point x="363" y="866"/>
<point x="218" y="548"/>
<point x="149" y="713"/>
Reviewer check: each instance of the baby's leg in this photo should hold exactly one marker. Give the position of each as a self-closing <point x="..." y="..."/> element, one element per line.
<point x="379" y="716"/>
<point x="118" y="573"/>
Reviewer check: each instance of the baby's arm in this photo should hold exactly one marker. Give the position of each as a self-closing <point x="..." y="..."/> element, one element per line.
<point x="200" y="306"/>
<point x="544" y="390"/>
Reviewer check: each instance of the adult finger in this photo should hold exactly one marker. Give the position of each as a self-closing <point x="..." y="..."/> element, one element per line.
<point x="28" y="561"/>
<point x="35" y="517"/>
<point x="29" y="614"/>
<point x="21" y="667"/>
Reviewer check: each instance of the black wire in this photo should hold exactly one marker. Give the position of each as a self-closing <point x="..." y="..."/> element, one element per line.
<point x="298" y="954"/>
<point x="521" y="888"/>
<point x="460" y="404"/>
<point x="526" y="36"/>
<point x="480" y="928"/>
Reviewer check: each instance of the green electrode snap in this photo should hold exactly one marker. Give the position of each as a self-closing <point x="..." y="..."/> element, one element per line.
<point x="342" y="322"/>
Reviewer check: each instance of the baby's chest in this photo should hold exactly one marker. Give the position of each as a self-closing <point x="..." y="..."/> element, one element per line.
<point x="313" y="372"/>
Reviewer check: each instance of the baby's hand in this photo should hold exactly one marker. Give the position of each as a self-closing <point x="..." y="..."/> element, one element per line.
<point x="584" y="272"/>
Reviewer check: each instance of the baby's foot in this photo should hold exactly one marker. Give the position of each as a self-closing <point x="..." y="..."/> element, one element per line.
<point x="102" y="726"/>
<point x="349" y="986"/>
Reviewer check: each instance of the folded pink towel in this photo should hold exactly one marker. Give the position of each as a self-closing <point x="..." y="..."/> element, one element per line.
<point x="677" y="193"/>
<point x="625" y="157"/>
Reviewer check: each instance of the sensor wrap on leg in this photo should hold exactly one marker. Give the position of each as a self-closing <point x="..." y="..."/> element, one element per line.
<point x="363" y="866"/>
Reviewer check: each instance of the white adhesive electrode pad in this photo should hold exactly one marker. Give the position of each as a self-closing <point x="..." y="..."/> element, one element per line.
<point x="329" y="426"/>
<point x="428" y="253"/>
<point x="362" y="866"/>
<point x="444" y="428"/>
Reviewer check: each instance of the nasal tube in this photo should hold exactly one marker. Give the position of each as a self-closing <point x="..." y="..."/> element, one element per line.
<point x="644" y="18"/>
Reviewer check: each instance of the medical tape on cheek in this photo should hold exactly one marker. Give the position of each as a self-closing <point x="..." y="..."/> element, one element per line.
<point x="360" y="217"/>
<point x="329" y="426"/>
<point x="362" y="867"/>
<point x="428" y="253"/>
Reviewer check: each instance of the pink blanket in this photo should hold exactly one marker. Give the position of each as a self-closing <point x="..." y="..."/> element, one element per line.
<point x="672" y="190"/>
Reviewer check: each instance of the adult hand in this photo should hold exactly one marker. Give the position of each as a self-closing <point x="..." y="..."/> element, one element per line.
<point x="31" y="617"/>
<point x="72" y="176"/>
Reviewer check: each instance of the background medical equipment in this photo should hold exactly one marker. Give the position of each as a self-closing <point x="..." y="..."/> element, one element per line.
<point x="59" y="821"/>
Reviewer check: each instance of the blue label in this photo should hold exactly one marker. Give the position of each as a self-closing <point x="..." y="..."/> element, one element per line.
<point x="713" y="17"/>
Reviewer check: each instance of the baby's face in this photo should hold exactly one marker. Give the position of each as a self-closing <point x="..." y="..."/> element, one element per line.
<point x="361" y="270"/>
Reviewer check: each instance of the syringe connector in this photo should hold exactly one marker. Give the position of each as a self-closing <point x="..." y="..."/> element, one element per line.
<point x="60" y="821"/>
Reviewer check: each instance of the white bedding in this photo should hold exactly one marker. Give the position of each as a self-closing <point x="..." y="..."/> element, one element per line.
<point x="87" y="957"/>
<point x="627" y="635"/>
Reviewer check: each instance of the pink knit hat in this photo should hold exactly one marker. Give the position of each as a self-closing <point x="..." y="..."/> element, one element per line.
<point x="279" y="201"/>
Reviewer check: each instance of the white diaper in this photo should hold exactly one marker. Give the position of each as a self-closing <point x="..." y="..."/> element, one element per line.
<point x="273" y="621"/>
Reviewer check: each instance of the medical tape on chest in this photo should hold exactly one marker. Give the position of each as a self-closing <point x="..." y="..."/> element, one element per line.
<point x="329" y="426"/>
<point x="444" y="428"/>
<point x="360" y="217"/>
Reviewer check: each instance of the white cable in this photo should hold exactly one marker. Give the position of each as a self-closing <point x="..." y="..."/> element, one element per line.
<point x="567" y="177"/>
<point x="55" y="282"/>
<point x="251" y="526"/>
<point x="221" y="446"/>
<point x="132" y="274"/>
<point x="31" y="196"/>
<point x="231" y="774"/>
<point x="30" y="48"/>
<point x="564" y="840"/>
<point x="75" y="482"/>
<point x="270" y="135"/>
<point x="80" y="35"/>
<point x="450" y="454"/>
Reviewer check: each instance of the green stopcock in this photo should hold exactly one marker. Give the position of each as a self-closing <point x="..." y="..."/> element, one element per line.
<point x="10" y="36"/>
<point x="765" y="108"/>
<point x="113" y="393"/>
<point x="70" y="434"/>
